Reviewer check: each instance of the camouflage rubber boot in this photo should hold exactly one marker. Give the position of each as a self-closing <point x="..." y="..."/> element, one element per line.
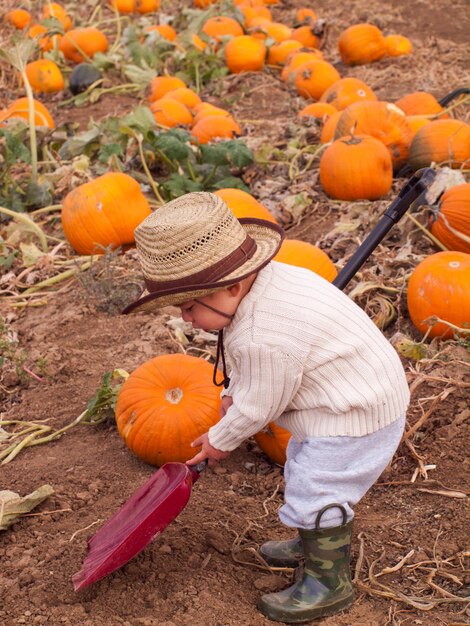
<point x="325" y="587"/>
<point x="282" y="553"/>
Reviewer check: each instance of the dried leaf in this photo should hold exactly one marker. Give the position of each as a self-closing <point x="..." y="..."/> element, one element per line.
<point x="447" y="494"/>
<point x="12" y="505"/>
<point x="31" y="254"/>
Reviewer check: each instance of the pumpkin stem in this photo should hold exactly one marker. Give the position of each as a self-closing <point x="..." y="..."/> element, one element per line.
<point x="174" y="396"/>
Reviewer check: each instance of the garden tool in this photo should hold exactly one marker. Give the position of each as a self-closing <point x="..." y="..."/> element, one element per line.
<point x="160" y="500"/>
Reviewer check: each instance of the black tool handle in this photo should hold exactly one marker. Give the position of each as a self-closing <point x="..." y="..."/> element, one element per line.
<point x="412" y="192"/>
<point x="445" y="100"/>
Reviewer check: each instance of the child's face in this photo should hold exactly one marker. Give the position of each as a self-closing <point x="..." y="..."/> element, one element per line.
<point x="224" y="300"/>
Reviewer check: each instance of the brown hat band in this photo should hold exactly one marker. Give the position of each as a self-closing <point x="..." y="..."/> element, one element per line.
<point x="210" y="274"/>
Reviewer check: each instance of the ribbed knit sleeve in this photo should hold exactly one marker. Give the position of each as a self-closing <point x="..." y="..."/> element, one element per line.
<point x="270" y="381"/>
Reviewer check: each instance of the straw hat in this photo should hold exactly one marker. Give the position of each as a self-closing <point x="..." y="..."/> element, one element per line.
<point x="194" y="245"/>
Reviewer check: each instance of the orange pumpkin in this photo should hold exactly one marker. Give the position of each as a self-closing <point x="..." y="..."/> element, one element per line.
<point x="258" y="26"/>
<point x="380" y="120"/>
<point x="203" y="4"/>
<point x="103" y="212"/>
<point x="451" y="220"/>
<point x="440" y="286"/>
<point x="245" y="54"/>
<point x="123" y="6"/>
<point x="164" y="405"/>
<point x="197" y="42"/>
<point x="397" y="46"/>
<point x="44" y="76"/>
<point x="52" y="9"/>
<point x="356" y="168"/>
<point x="360" y="44"/>
<point x="306" y="15"/>
<point x="47" y="42"/>
<point x="186" y="96"/>
<point x="165" y="30"/>
<point x="319" y="110"/>
<point x="250" y="13"/>
<point x="215" y="127"/>
<point x="296" y="60"/>
<point x="314" y="77"/>
<point x="80" y="44"/>
<point x="19" y="18"/>
<point x="279" y="52"/>
<point x="243" y="204"/>
<point x="204" y="109"/>
<point x="415" y="122"/>
<point x="140" y="6"/>
<point x="220" y="26"/>
<point x="161" y="85"/>
<point x="146" y="6"/>
<point x="441" y="141"/>
<point x="329" y="127"/>
<point x="278" y="31"/>
<point x="273" y="442"/>
<point x="19" y="109"/>
<point x="306" y="36"/>
<point x="346" y="91"/>
<point x="304" y="254"/>
<point x="169" y="112"/>
<point x="420" y="103"/>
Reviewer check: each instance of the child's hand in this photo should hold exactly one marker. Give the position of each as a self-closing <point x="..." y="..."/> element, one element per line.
<point x="208" y="452"/>
<point x="226" y="404"/>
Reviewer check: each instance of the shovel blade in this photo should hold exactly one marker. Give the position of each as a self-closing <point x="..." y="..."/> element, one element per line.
<point x="146" y="514"/>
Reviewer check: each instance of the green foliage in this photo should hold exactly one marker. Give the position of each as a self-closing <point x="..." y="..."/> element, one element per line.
<point x="14" y="156"/>
<point x="12" y="147"/>
<point x="101" y="406"/>
<point x="179" y="164"/>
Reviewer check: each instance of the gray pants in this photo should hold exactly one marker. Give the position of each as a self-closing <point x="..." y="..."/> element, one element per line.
<point x="326" y="470"/>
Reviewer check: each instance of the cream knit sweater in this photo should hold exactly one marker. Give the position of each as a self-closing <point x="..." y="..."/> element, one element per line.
<point x="301" y="352"/>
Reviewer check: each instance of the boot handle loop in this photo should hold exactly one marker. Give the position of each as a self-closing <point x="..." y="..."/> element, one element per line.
<point x="330" y="506"/>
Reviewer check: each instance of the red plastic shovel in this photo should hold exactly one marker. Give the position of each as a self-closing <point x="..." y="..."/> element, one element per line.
<point x="149" y="511"/>
<point x="160" y="500"/>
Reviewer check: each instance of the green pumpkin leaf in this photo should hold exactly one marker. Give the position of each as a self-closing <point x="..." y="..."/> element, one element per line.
<point x="13" y="148"/>
<point x="215" y="153"/>
<point x="79" y="144"/>
<point x="230" y="181"/>
<point x="141" y="119"/>
<point x="238" y="153"/>
<point x="109" y="150"/>
<point x="39" y="194"/>
<point x="172" y="147"/>
<point x="178" y="185"/>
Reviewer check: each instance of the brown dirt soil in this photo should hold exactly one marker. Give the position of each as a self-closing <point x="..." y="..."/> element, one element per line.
<point x="196" y="573"/>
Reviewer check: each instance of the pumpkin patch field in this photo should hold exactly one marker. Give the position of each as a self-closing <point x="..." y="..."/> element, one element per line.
<point x="313" y="115"/>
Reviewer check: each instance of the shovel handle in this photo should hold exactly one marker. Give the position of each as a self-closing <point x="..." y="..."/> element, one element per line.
<point x="460" y="91"/>
<point x="412" y="193"/>
<point x="197" y="469"/>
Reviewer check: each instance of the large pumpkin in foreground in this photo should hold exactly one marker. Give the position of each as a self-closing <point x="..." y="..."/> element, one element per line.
<point x="103" y="212"/>
<point x="440" y="286"/>
<point x="164" y="405"/>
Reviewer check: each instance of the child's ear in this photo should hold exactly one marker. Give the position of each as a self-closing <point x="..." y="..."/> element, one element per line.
<point x="234" y="290"/>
